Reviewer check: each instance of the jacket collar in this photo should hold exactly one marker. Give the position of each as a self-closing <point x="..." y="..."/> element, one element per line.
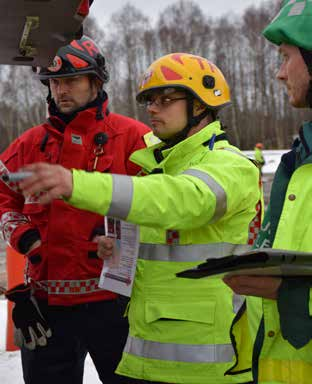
<point x="145" y="158"/>
<point x="303" y="145"/>
<point x="60" y="121"/>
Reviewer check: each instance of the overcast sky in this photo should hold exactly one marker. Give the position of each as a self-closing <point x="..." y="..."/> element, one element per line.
<point x="103" y="9"/>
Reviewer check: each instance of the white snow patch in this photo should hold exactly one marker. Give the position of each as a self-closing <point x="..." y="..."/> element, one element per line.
<point x="272" y="159"/>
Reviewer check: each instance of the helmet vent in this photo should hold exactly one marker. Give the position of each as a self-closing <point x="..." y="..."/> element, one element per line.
<point x="209" y="82"/>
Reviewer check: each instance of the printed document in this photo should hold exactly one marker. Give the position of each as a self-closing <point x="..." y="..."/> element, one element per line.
<point x="119" y="271"/>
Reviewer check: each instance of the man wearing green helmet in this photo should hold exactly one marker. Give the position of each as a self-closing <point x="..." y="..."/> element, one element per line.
<point x="279" y="311"/>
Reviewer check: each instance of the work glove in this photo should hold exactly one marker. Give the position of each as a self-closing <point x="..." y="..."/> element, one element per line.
<point x="31" y="329"/>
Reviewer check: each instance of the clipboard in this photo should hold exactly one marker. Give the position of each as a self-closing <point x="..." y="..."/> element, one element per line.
<point x="257" y="262"/>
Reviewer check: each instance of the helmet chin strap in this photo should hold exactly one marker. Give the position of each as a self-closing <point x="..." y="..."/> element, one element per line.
<point x="192" y="121"/>
<point x="49" y="97"/>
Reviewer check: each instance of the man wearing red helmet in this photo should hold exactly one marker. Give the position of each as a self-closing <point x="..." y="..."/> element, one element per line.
<point x="73" y="315"/>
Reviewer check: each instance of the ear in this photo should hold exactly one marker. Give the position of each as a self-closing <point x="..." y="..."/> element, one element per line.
<point x="97" y="83"/>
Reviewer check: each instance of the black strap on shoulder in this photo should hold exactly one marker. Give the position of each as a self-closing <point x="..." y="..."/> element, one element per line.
<point x="156" y="171"/>
<point x="221" y="137"/>
<point x="44" y="142"/>
<point x="158" y="155"/>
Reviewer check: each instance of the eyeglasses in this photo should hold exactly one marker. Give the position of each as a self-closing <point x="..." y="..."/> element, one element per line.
<point x="162" y="101"/>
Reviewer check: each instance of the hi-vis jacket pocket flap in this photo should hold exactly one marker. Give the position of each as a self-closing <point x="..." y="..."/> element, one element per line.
<point x="199" y="311"/>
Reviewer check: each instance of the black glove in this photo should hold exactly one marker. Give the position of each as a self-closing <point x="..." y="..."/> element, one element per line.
<point x="31" y="329"/>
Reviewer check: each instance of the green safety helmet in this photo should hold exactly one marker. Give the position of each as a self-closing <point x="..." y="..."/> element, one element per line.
<point x="293" y="26"/>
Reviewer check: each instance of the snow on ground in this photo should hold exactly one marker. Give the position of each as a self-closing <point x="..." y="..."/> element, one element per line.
<point x="272" y="159"/>
<point x="10" y="362"/>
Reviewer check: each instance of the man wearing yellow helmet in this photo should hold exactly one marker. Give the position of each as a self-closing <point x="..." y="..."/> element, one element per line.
<point x="200" y="199"/>
<point x="281" y="315"/>
<point x="196" y="80"/>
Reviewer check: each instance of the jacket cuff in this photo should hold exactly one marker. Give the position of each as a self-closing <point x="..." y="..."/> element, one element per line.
<point x="293" y="306"/>
<point x="18" y="234"/>
<point x="27" y="239"/>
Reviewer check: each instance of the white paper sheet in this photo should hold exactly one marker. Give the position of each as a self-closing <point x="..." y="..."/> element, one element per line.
<point x="119" y="271"/>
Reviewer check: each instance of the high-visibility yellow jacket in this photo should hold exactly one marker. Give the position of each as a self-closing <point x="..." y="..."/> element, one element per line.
<point x="200" y="202"/>
<point x="284" y="326"/>
<point x="259" y="157"/>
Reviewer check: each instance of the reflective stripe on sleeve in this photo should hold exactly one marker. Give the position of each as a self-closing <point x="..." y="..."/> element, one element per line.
<point x="187" y="353"/>
<point x="216" y="188"/>
<point x="121" y="197"/>
<point x="9" y="222"/>
<point x="189" y="253"/>
<point x="236" y="152"/>
<point x="10" y="184"/>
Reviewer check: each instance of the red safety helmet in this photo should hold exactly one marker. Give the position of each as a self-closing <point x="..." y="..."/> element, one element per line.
<point x="259" y="145"/>
<point x="80" y="57"/>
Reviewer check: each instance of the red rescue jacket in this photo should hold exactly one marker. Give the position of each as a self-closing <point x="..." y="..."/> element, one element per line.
<point x="64" y="267"/>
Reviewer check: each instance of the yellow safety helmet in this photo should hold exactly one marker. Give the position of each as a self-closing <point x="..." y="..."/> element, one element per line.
<point x="195" y="74"/>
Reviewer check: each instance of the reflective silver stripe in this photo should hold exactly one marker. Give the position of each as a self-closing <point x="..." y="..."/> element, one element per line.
<point x="9" y="222"/>
<point x="215" y="187"/>
<point x="10" y="184"/>
<point x="69" y="287"/>
<point x="236" y="152"/>
<point x="189" y="253"/>
<point x="121" y="197"/>
<point x="297" y="9"/>
<point x="187" y="353"/>
<point x="238" y="301"/>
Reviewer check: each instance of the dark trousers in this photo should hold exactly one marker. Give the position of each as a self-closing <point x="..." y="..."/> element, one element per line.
<point x="98" y="328"/>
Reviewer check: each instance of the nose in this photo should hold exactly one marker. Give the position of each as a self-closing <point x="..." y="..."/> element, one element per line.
<point x="61" y="88"/>
<point x="153" y="107"/>
<point x="282" y="74"/>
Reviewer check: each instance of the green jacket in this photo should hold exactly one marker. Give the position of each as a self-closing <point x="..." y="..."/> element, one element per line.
<point x="199" y="201"/>
<point x="282" y="351"/>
